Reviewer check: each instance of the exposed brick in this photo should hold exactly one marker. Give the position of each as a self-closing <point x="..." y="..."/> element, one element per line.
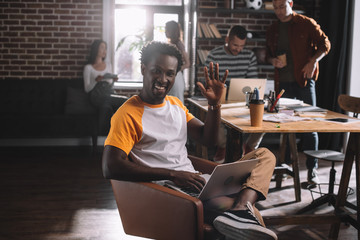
<point x="33" y="17"/>
<point x="42" y="57"/>
<point x="80" y="23"/>
<point x="51" y="40"/>
<point x="17" y="28"/>
<point x="33" y="29"/>
<point x="34" y="73"/>
<point x="27" y="22"/>
<point x="44" y="34"/>
<point x="61" y="11"/>
<point x="45" y="11"/>
<point x="50" y="29"/>
<point x="60" y="57"/>
<point x="51" y="51"/>
<point x="70" y="6"/>
<point x="17" y="51"/>
<point x="67" y="17"/>
<point x="28" y="68"/>
<point x="53" y="5"/>
<point x="61" y="68"/>
<point x="11" y="10"/>
<point x="78" y="11"/>
<point x="51" y="73"/>
<point x="50" y="17"/>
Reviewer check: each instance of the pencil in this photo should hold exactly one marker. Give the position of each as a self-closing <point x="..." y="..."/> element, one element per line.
<point x="277" y="99"/>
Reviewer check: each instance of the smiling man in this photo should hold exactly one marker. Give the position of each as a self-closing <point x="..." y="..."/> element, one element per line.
<point x="147" y="142"/>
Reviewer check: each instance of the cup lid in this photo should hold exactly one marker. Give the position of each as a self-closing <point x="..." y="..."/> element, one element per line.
<point x="257" y="101"/>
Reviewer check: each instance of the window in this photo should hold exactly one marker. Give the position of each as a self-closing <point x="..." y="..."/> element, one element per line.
<point x="152" y="2"/>
<point x="136" y="25"/>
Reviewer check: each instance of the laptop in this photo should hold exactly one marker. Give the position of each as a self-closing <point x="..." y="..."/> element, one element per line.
<point x="239" y="86"/>
<point x="226" y="179"/>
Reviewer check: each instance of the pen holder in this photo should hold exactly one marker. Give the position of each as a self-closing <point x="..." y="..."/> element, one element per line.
<point x="270" y="105"/>
<point x="248" y="97"/>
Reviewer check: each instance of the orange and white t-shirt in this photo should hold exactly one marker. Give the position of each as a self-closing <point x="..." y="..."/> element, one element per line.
<point x="152" y="135"/>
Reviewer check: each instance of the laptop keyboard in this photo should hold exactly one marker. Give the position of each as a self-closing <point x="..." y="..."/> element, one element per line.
<point x="190" y="192"/>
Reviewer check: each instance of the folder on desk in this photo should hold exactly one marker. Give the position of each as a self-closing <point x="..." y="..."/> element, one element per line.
<point x="302" y="108"/>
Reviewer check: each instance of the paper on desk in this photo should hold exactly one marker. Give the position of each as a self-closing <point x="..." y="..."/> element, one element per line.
<point x="235" y="104"/>
<point x="290" y="101"/>
<point x="311" y="114"/>
<point x="283" y="118"/>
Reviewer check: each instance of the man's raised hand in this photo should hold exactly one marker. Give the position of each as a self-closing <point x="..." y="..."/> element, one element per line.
<point x="214" y="86"/>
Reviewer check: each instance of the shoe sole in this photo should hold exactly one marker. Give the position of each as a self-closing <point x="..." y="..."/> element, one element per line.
<point x="238" y="230"/>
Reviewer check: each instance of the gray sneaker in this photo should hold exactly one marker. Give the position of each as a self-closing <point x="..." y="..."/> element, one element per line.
<point x="312" y="177"/>
<point x="242" y="224"/>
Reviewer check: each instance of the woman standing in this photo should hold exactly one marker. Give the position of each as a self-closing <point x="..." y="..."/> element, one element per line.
<point x="98" y="82"/>
<point x="174" y="34"/>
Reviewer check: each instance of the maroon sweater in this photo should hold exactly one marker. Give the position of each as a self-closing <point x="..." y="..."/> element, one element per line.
<point x="305" y="37"/>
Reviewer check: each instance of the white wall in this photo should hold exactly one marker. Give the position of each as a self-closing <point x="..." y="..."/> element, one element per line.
<point x="354" y="86"/>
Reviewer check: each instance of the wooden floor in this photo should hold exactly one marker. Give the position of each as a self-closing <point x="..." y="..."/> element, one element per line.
<point x="59" y="193"/>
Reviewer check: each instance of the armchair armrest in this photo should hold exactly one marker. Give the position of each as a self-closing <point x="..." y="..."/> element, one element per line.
<point x="153" y="211"/>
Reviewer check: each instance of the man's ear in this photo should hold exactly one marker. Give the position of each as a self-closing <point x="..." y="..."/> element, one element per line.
<point x="143" y="69"/>
<point x="227" y="39"/>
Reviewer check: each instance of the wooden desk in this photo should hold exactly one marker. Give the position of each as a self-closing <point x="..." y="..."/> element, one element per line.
<point x="238" y="121"/>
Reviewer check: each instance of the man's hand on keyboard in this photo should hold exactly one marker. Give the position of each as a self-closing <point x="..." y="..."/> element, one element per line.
<point x="188" y="179"/>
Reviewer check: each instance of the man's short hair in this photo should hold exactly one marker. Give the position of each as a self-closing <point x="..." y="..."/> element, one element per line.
<point x="154" y="48"/>
<point x="237" y="31"/>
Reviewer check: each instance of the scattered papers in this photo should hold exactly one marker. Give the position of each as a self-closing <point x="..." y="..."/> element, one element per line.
<point x="311" y="114"/>
<point x="283" y="118"/>
<point x="342" y="120"/>
<point x="290" y="101"/>
<point x="307" y="109"/>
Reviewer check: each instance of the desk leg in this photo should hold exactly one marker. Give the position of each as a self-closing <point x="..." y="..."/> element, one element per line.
<point x="283" y="168"/>
<point x="352" y="152"/>
<point x="295" y="165"/>
<point x="234" y="142"/>
<point x="281" y="160"/>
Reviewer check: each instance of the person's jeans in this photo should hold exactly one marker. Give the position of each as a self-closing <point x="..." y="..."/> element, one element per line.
<point x="310" y="141"/>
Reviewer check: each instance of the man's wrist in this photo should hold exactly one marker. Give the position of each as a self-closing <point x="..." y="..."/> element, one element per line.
<point x="214" y="106"/>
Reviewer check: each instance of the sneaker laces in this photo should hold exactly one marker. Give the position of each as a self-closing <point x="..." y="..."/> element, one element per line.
<point x="251" y="211"/>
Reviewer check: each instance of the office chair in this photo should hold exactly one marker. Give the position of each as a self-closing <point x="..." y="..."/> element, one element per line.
<point x="349" y="104"/>
<point x="157" y="212"/>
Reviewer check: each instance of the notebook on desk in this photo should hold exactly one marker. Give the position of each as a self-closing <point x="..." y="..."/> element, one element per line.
<point x="225" y="179"/>
<point x="239" y="86"/>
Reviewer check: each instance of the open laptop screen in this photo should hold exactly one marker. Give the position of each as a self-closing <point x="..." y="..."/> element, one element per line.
<point x="239" y="86"/>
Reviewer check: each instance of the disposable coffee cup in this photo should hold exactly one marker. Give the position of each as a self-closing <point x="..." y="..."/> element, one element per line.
<point x="282" y="58"/>
<point x="256" y="112"/>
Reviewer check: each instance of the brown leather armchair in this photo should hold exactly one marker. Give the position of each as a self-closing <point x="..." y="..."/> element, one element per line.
<point x="153" y="211"/>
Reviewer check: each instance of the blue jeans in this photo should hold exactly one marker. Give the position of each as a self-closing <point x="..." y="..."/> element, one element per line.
<point x="310" y="141"/>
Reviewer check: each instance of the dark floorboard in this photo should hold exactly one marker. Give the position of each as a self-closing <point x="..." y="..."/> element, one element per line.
<point x="59" y="193"/>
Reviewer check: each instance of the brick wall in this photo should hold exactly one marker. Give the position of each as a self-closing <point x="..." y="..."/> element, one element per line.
<point x="47" y="38"/>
